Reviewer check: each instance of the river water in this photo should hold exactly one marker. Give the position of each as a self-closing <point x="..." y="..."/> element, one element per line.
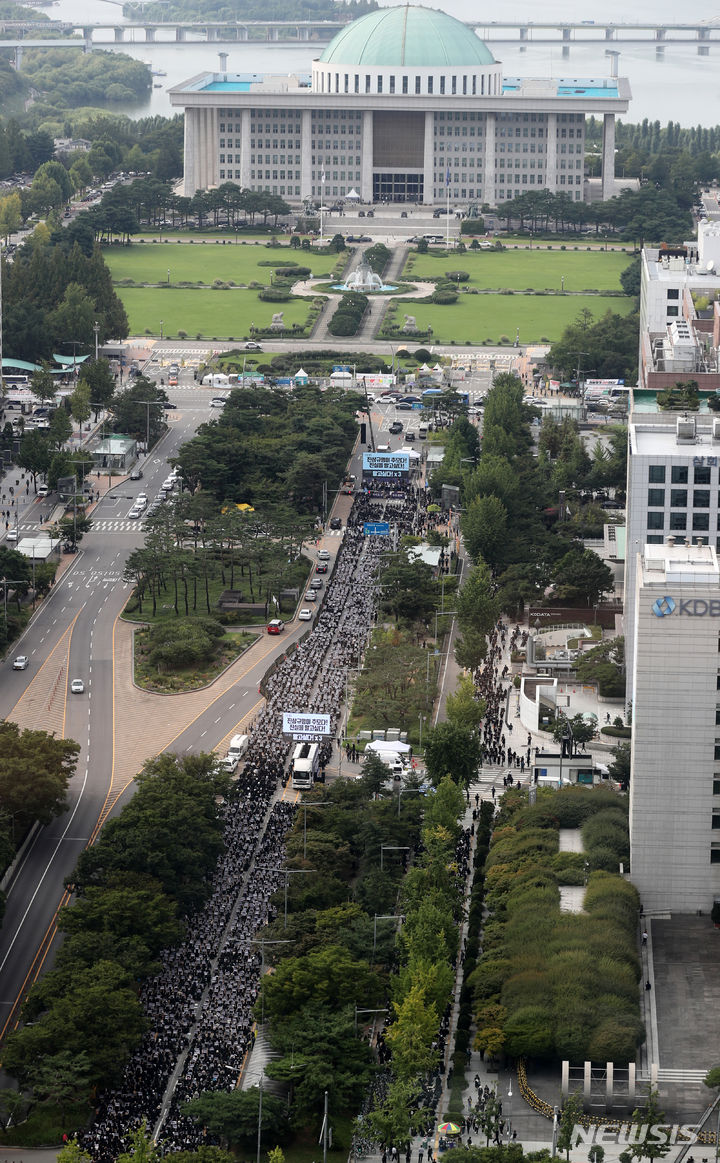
<point x="680" y="85"/>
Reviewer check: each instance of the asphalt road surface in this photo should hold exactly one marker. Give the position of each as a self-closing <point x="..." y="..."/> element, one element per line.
<point x="71" y="636"/>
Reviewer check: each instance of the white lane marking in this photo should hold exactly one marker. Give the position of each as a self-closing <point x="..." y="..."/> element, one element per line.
<point x="47" y="869"/>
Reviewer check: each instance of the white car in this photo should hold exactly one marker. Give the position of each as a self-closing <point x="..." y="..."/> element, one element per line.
<point x="135" y="513"/>
<point x="305" y="615"/>
<point x="311" y="596"/>
<point x="77" y="686"/>
<point x="229" y="763"/>
<point x="218" y="402"/>
<point x="141" y="501"/>
<point x="20" y="662"/>
<point x="11" y="535"/>
<point x="323" y="555"/>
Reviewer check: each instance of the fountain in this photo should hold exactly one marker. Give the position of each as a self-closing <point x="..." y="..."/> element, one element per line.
<point x="364" y="280"/>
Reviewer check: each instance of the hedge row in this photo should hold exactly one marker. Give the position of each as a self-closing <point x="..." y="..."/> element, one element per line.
<point x="348" y="314"/>
<point x="552" y="984"/>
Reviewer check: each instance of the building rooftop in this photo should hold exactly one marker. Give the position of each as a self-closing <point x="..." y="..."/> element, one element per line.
<point x="409" y="36"/>
<point x="679" y="563"/>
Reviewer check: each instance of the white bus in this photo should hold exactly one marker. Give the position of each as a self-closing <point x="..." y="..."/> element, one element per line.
<point x="305" y="764"/>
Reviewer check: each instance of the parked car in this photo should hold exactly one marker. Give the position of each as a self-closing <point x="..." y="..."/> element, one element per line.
<point x="395" y="427"/>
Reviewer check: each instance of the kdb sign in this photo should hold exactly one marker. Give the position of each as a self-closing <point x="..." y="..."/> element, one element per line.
<point x="691" y="608"/>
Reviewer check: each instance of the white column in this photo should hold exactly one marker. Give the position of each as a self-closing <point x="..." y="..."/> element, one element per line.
<point x="190" y="176"/>
<point x="551" y="154"/>
<point x="366" y="184"/>
<point x="608" y="162"/>
<point x="489" y="194"/>
<point x="209" y="165"/>
<point x="306" y="154"/>
<point x="429" y="158"/>
<point x="245" y="149"/>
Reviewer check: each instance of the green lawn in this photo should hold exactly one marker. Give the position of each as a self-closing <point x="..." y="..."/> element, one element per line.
<point x="207" y="313"/>
<point x="150" y="263"/>
<point x="538" y="269"/>
<point x="475" y="318"/>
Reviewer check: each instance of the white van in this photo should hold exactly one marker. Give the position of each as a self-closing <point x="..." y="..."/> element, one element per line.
<point x="238" y="747"/>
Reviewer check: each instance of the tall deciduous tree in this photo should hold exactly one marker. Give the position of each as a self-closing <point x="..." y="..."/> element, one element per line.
<point x="35" y="769"/>
<point x="452" y="750"/>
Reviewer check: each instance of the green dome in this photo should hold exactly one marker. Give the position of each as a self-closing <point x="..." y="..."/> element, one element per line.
<point x="407" y="37"/>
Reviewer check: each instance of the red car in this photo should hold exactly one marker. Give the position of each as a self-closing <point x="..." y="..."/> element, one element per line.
<point x="275" y="627"/>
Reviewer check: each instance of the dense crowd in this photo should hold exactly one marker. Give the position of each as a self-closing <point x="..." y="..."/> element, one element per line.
<point x="199" y="1008"/>
<point x="499" y="746"/>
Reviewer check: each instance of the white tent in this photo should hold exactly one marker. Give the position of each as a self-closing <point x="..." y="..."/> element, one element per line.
<point x="395" y="746"/>
<point x="353" y="194"/>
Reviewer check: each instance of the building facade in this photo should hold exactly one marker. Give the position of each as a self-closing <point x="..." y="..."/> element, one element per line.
<point x="675" y="782"/>
<point x="404" y="105"/>
<point x="673" y="491"/>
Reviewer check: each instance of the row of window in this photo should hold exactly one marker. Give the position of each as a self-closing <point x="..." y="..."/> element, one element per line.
<point x="678" y="522"/>
<point x="679" y="472"/>
<point x="679" y="498"/>
<point x="284" y="191"/>
<point x="455" y="85"/>
<point x="275" y="175"/>
<point x="659" y="539"/>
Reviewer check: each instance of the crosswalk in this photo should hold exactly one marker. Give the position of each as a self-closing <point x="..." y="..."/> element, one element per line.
<point x="115" y="525"/>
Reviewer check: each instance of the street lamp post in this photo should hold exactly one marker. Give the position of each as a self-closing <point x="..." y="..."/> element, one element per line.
<point x="403" y="791"/>
<point x="161" y="328"/>
<point x="383" y="917"/>
<point x="96" y="329"/>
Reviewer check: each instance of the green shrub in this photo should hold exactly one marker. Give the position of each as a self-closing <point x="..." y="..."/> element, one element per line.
<point x="457" y="276"/>
<point x="274" y="295"/>
<point x="444" y="298"/>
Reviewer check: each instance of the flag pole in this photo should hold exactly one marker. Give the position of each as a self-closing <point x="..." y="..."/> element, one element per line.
<point x="322" y="202"/>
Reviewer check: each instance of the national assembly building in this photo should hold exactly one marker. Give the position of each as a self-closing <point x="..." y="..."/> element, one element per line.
<point x="405" y="104"/>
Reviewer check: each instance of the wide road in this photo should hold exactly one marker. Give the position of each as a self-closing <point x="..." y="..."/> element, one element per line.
<point x="73" y="636"/>
<point x="76" y="634"/>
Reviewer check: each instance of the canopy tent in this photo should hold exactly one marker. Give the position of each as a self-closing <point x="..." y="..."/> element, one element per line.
<point x="389" y="745"/>
<point x="353" y="194"/>
<point x="301" y="376"/>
